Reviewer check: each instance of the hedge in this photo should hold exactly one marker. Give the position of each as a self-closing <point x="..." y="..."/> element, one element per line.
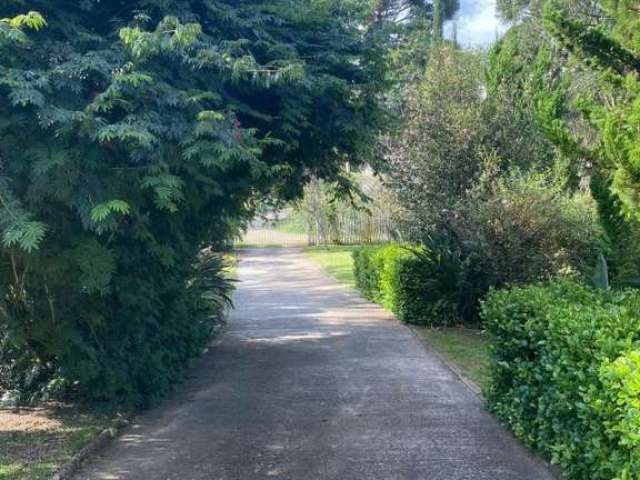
<point x="566" y="375"/>
<point x="366" y="270"/>
<point x="407" y="282"/>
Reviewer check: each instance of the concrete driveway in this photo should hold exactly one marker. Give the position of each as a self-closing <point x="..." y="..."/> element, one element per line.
<point x="312" y="382"/>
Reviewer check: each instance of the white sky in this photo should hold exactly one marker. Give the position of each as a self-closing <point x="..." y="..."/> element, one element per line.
<point x="477" y="23"/>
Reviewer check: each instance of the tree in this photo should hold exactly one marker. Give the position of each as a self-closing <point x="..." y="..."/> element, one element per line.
<point x="134" y="134"/>
<point x="481" y="182"/>
<point x="580" y="76"/>
<point x="615" y="55"/>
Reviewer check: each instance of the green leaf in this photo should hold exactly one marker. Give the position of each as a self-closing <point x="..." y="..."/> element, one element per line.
<point x="32" y="20"/>
<point x="97" y="265"/>
<point x="210" y="116"/>
<point x="25" y="234"/>
<point x="101" y="212"/>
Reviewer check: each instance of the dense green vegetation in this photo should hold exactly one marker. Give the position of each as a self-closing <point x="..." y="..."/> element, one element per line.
<point x="519" y="166"/>
<point x="566" y="372"/>
<point x="480" y="183"/>
<point x="133" y="135"/>
<point x="137" y="138"/>
<point x="413" y="283"/>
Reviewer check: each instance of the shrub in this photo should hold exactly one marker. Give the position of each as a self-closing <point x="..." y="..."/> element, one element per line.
<point x="621" y="378"/>
<point x="366" y="267"/>
<point x="522" y="229"/>
<point x="396" y="279"/>
<point x="139" y="358"/>
<point x="565" y="375"/>
<point x="415" y="284"/>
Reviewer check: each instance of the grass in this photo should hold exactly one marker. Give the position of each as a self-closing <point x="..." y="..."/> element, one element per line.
<point x="36" y="443"/>
<point x="292" y="224"/>
<point x="465" y="348"/>
<point x="336" y="261"/>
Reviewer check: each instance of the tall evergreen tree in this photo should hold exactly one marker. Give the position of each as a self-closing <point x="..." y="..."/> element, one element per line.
<point x="575" y="64"/>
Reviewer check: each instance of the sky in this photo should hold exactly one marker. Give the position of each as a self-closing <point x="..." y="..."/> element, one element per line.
<point x="476" y="23"/>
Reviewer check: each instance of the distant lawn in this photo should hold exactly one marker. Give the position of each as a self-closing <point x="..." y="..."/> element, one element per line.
<point x="467" y="349"/>
<point x="336" y="261"/>
<point x="293" y="224"/>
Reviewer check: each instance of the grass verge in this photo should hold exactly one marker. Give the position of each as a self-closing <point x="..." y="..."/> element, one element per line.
<point x="465" y="348"/>
<point x="36" y="443"/>
<point x="336" y="261"/>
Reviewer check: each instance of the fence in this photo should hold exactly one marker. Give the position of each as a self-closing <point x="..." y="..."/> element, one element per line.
<point x="353" y="229"/>
<point x="266" y="237"/>
<point x="347" y="230"/>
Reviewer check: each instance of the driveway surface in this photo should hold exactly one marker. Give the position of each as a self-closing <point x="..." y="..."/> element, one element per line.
<point x="312" y="382"/>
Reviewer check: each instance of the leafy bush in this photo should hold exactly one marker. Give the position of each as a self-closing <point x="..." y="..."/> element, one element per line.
<point x="521" y="229"/>
<point x="415" y="284"/>
<point x="177" y="322"/>
<point x="394" y="262"/>
<point x="564" y="375"/>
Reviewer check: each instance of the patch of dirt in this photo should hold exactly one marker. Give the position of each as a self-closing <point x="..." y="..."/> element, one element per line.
<point x="29" y="421"/>
<point x="29" y="435"/>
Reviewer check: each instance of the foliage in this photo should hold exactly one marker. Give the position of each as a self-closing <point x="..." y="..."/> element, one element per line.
<point x="564" y="375"/>
<point x="476" y="171"/>
<point x="133" y="135"/>
<point x="612" y="54"/>
<point x="433" y="159"/>
<point x="580" y="75"/>
<point x="522" y="229"/>
<point x="454" y="133"/>
<point x="415" y="284"/>
<point x="366" y="270"/>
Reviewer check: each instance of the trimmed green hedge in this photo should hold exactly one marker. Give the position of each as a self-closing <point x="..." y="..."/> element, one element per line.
<point x="566" y="375"/>
<point x="407" y="282"/>
<point x="366" y="269"/>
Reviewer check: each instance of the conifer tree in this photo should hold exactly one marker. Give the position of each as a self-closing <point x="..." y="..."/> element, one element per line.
<point x="576" y="65"/>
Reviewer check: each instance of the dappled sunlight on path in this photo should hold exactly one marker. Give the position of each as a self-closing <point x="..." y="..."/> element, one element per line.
<point x="313" y="382"/>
